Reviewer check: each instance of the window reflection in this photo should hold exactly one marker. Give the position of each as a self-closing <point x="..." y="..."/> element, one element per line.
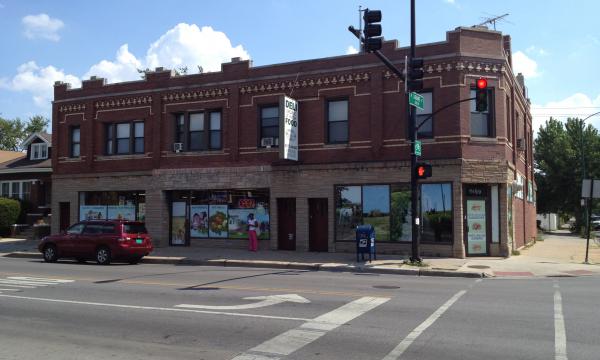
<point x="436" y="212"/>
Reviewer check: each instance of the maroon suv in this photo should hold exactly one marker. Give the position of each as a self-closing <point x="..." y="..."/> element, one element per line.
<point x="101" y="240"/>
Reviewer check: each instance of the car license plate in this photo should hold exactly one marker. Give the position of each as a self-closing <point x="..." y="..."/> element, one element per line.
<point x="139" y="241"/>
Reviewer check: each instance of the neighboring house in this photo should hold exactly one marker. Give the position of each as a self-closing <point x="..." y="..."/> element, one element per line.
<point x="193" y="155"/>
<point x="28" y="176"/>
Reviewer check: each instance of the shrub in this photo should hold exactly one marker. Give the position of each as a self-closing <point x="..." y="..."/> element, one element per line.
<point x="9" y="212"/>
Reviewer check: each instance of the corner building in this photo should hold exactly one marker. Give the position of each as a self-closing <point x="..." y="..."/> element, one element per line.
<point x="193" y="155"/>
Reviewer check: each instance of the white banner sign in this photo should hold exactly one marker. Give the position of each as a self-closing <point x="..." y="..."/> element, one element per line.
<point x="288" y="128"/>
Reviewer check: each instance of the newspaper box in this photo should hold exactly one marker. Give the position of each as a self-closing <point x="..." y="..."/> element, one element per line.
<point x="365" y="242"/>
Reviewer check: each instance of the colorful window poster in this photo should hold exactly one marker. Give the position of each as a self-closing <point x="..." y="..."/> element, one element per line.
<point x="238" y="220"/>
<point x="141" y="212"/>
<point x="477" y="234"/>
<point x="217" y="223"/>
<point x="178" y="223"/>
<point x="199" y="221"/>
<point x="125" y="212"/>
<point x="92" y="212"/>
<point x="261" y="214"/>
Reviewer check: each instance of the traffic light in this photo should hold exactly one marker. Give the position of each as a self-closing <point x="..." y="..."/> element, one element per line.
<point x="372" y="32"/>
<point x="481" y="95"/>
<point x="415" y="74"/>
<point x="423" y="170"/>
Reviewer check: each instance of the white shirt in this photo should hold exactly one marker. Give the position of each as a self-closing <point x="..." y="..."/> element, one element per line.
<point x="252" y="224"/>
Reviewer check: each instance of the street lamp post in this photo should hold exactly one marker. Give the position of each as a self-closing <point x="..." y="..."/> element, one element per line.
<point x="588" y="211"/>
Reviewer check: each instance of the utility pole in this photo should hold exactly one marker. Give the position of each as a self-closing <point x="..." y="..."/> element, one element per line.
<point x="414" y="187"/>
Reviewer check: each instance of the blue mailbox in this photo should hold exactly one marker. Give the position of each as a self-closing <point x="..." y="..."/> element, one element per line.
<point x="365" y="242"/>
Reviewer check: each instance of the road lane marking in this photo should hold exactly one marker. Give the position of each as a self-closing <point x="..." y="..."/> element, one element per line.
<point x="295" y="339"/>
<point x="410" y="338"/>
<point x="560" y="335"/>
<point x="45" y="280"/>
<point x="27" y="282"/>
<point x="265" y="301"/>
<point x="10" y="290"/>
<point x="122" y="306"/>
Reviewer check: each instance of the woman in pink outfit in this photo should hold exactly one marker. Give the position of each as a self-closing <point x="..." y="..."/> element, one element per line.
<point x="252" y="223"/>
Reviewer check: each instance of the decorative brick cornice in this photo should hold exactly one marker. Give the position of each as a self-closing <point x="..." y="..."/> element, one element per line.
<point x="469" y="66"/>
<point x="124" y="102"/>
<point x="71" y="108"/>
<point x="195" y="95"/>
<point x="322" y="81"/>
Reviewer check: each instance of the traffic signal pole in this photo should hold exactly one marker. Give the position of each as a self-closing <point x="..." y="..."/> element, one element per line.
<point x="414" y="187"/>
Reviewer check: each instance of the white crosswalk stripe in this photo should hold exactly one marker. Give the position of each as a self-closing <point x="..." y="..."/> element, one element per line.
<point x="17" y="283"/>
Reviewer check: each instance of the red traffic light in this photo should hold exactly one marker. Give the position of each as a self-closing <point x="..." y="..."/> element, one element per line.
<point x="421" y="171"/>
<point x="481" y="83"/>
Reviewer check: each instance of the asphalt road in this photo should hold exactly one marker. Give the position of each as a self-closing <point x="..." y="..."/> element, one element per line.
<point x="85" y="311"/>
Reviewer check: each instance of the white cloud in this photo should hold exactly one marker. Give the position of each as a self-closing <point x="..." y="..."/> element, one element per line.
<point x="351" y="50"/>
<point x="525" y="65"/>
<point x="38" y="81"/>
<point x="537" y="50"/>
<point x="124" y="68"/>
<point x="42" y="26"/>
<point x="577" y="105"/>
<point x="183" y="45"/>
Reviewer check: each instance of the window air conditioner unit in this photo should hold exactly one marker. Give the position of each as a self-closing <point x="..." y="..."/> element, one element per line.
<point x="177" y="147"/>
<point x="521" y="144"/>
<point x="266" y="142"/>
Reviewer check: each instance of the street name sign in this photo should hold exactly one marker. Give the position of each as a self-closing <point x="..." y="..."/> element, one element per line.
<point x="416" y="100"/>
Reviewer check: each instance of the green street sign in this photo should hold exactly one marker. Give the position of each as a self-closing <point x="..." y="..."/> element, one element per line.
<point x="416" y="100"/>
<point x="417" y="148"/>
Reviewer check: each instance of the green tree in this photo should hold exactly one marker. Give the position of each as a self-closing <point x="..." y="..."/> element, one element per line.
<point x="559" y="165"/>
<point x="14" y="131"/>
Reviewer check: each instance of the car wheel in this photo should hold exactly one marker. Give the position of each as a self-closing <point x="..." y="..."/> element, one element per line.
<point x="103" y="256"/>
<point x="50" y="254"/>
<point x="135" y="260"/>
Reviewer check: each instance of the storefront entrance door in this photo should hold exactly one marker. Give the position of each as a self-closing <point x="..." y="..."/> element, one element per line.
<point x="476" y="227"/>
<point x="286" y="218"/>
<point x="317" y="227"/>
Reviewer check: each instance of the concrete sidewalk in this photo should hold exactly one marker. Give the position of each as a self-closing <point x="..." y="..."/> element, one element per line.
<point x="560" y="254"/>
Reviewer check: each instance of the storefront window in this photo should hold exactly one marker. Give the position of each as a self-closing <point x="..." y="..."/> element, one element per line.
<point x="401" y="218"/>
<point x="376" y="209"/>
<point x="102" y="205"/>
<point x="221" y="214"/>
<point x="436" y="213"/>
<point x="348" y="212"/>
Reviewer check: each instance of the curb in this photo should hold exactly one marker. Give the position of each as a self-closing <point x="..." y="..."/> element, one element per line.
<point x="331" y="267"/>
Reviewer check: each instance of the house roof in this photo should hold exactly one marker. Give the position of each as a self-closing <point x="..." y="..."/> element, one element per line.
<point x="47" y="138"/>
<point x="9" y="155"/>
<point x="23" y="164"/>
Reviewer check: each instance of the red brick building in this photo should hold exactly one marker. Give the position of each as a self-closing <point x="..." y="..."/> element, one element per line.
<point x="193" y="155"/>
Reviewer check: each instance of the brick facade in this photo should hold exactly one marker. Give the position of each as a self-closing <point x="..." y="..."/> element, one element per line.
<point x="377" y="151"/>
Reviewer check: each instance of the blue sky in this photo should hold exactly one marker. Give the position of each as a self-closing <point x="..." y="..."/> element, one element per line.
<point x="556" y="44"/>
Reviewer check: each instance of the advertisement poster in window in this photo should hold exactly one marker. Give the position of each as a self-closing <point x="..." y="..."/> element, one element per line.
<point x="476" y="232"/>
<point x="238" y="219"/>
<point x="199" y="221"/>
<point x="92" y="212"/>
<point x="141" y="212"/>
<point x="262" y="217"/>
<point x="178" y="223"/>
<point x="125" y="212"/>
<point x="217" y="223"/>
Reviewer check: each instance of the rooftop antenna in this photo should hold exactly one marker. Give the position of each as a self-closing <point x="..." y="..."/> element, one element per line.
<point x="492" y="20"/>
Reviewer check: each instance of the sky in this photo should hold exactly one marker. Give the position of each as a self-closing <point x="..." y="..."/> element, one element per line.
<point x="555" y="44"/>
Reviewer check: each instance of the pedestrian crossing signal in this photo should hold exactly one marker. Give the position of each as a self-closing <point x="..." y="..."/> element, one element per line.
<point x="423" y="171"/>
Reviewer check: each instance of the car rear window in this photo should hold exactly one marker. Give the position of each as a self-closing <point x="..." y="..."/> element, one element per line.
<point x="132" y="228"/>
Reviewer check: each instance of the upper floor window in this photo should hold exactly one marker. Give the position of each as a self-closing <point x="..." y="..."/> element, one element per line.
<point x="75" y="141"/>
<point x="39" y="151"/>
<point x="424" y="117"/>
<point x="198" y="131"/>
<point x="125" y="138"/>
<point x="482" y="122"/>
<point x="269" y="126"/>
<point x="337" y="121"/>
